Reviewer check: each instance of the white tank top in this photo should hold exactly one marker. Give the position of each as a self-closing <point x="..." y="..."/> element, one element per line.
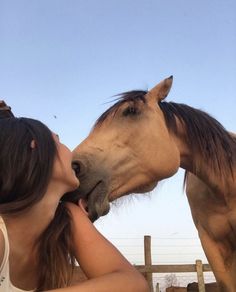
<point x="5" y="283"/>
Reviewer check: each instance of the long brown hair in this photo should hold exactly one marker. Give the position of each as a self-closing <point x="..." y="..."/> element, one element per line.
<point x="24" y="177"/>
<point x="56" y="257"/>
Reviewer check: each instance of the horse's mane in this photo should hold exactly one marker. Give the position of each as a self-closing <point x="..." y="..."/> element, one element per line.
<point x="207" y="138"/>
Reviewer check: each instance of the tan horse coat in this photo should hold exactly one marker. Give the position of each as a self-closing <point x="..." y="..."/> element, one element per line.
<point x="141" y="140"/>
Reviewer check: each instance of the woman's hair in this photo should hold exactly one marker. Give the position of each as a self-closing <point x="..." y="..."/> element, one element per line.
<point x="25" y="172"/>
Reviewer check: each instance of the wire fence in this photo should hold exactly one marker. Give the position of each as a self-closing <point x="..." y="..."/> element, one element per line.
<point x="166" y="251"/>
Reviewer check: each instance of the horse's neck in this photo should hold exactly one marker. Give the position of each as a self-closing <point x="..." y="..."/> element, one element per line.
<point x="219" y="183"/>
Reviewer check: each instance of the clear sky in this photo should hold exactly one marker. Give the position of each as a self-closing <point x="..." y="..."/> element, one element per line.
<point x="61" y="61"/>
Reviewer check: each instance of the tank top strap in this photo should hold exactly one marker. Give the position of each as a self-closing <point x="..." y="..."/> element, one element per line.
<point x="6" y="244"/>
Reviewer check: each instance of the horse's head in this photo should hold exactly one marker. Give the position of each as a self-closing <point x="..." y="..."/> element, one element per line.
<point x="128" y="151"/>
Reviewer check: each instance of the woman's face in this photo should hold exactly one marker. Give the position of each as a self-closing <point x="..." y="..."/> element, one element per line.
<point x="62" y="170"/>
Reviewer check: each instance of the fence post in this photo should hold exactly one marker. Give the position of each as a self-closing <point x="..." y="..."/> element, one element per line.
<point x="148" y="260"/>
<point x="200" y="277"/>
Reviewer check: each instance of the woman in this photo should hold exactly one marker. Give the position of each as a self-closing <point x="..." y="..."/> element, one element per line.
<point x="41" y="236"/>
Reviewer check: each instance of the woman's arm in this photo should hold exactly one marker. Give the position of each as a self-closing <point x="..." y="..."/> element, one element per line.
<point x="122" y="281"/>
<point x="103" y="264"/>
<point x="95" y="254"/>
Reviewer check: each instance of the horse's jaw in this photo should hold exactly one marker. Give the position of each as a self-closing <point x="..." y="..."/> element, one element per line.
<point x="146" y="188"/>
<point x="99" y="198"/>
<point x="131" y="187"/>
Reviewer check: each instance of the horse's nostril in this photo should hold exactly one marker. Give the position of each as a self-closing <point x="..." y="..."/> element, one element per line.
<point x="77" y="167"/>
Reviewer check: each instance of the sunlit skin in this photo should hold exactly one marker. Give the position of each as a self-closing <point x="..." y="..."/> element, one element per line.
<point x="63" y="173"/>
<point x="131" y="153"/>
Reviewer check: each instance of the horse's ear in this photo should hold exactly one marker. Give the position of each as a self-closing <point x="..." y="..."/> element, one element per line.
<point x="161" y="90"/>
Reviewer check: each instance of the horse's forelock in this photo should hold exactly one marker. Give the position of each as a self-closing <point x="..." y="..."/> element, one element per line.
<point x="125" y="97"/>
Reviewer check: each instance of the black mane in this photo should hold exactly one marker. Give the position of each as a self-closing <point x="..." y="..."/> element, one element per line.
<point x="207" y="138"/>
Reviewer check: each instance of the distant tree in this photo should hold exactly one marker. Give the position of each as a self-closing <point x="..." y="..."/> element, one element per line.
<point x="171" y="280"/>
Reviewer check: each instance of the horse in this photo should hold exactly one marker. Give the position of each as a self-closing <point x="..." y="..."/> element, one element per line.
<point x="143" y="139"/>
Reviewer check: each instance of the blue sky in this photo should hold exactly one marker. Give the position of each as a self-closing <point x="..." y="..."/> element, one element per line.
<point x="61" y="61"/>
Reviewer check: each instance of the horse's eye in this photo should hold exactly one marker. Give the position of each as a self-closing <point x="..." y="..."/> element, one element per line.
<point x="130" y="111"/>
